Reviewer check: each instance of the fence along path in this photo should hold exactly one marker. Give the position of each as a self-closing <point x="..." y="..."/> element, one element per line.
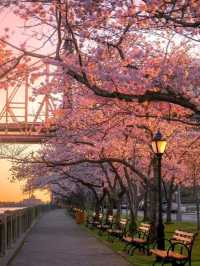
<point x="14" y="225"/>
<point x="56" y="241"/>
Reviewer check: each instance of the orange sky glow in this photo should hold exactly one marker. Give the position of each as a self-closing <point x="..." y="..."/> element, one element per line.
<point x="13" y="191"/>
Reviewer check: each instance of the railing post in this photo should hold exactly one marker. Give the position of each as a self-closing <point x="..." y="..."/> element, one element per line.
<point x="14" y="224"/>
<point x="2" y="235"/>
<point x="5" y="233"/>
<point x="11" y="230"/>
<point x="20" y="222"/>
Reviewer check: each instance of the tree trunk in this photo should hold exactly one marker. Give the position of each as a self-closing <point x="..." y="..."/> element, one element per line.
<point x="97" y="210"/>
<point x="169" y="189"/>
<point x="132" y="196"/>
<point x="110" y="207"/>
<point x="198" y="214"/>
<point x="132" y="224"/>
<point x="196" y="196"/>
<point x="169" y="204"/>
<point x="196" y="193"/>
<point x="169" y="211"/>
<point x="146" y="194"/>
<point x="118" y="214"/>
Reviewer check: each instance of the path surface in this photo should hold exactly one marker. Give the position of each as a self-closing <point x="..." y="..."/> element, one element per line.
<point x="57" y="241"/>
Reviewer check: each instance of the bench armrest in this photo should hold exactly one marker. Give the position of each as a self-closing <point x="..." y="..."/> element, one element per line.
<point x="181" y="245"/>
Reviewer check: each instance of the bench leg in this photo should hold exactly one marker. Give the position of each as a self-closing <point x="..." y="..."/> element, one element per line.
<point x="133" y="249"/>
<point x="140" y="248"/>
<point x="126" y="246"/>
<point x="129" y="249"/>
<point x="110" y="238"/>
<point x="183" y="263"/>
<point x="147" y="250"/>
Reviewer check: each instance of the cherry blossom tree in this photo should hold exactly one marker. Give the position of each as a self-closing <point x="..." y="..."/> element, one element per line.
<point x="124" y="69"/>
<point x="104" y="147"/>
<point x="122" y="50"/>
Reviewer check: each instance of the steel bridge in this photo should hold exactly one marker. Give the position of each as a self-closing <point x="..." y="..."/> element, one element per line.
<point x="18" y="124"/>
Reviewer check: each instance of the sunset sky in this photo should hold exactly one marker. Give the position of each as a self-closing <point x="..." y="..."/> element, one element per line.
<point x="10" y="191"/>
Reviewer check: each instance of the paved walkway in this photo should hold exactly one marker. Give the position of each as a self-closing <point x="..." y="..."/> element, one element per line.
<point x="57" y="241"/>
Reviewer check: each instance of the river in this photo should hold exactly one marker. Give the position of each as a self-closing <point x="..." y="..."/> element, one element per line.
<point x="3" y="209"/>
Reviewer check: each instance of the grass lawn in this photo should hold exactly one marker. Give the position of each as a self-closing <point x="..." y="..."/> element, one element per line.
<point x="139" y="259"/>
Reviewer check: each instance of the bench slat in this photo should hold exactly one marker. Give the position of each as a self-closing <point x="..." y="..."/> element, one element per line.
<point x="145" y="225"/>
<point x="182" y="239"/>
<point x="123" y="221"/>
<point x="143" y="229"/>
<point x="179" y="232"/>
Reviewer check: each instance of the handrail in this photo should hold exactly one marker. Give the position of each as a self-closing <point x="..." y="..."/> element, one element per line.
<point x="13" y="224"/>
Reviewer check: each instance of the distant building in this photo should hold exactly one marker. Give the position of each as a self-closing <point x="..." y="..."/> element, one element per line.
<point x="32" y="201"/>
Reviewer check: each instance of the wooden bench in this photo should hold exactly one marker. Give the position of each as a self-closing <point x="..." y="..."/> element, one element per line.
<point x="94" y="220"/>
<point x="140" y="240"/>
<point x="120" y="230"/>
<point x="179" y="251"/>
<point x="103" y="226"/>
<point x="98" y="219"/>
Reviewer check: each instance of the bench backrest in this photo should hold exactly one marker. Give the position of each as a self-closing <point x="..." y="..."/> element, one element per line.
<point x="123" y="221"/>
<point x="183" y="237"/>
<point x="100" y="216"/>
<point x="144" y="230"/>
<point x="123" y="224"/>
<point x="97" y="217"/>
<point x="110" y="219"/>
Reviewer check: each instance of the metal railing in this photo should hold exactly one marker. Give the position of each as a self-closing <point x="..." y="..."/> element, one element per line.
<point x="13" y="224"/>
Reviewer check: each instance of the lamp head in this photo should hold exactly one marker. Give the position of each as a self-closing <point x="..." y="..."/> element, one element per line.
<point x="158" y="143"/>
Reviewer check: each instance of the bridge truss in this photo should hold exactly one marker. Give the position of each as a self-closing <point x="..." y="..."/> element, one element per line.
<point x="18" y="124"/>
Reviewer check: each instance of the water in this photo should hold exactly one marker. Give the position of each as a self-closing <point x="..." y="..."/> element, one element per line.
<point x="3" y="209"/>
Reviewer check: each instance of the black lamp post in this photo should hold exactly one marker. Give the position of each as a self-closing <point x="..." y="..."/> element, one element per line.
<point x="158" y="146"/>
